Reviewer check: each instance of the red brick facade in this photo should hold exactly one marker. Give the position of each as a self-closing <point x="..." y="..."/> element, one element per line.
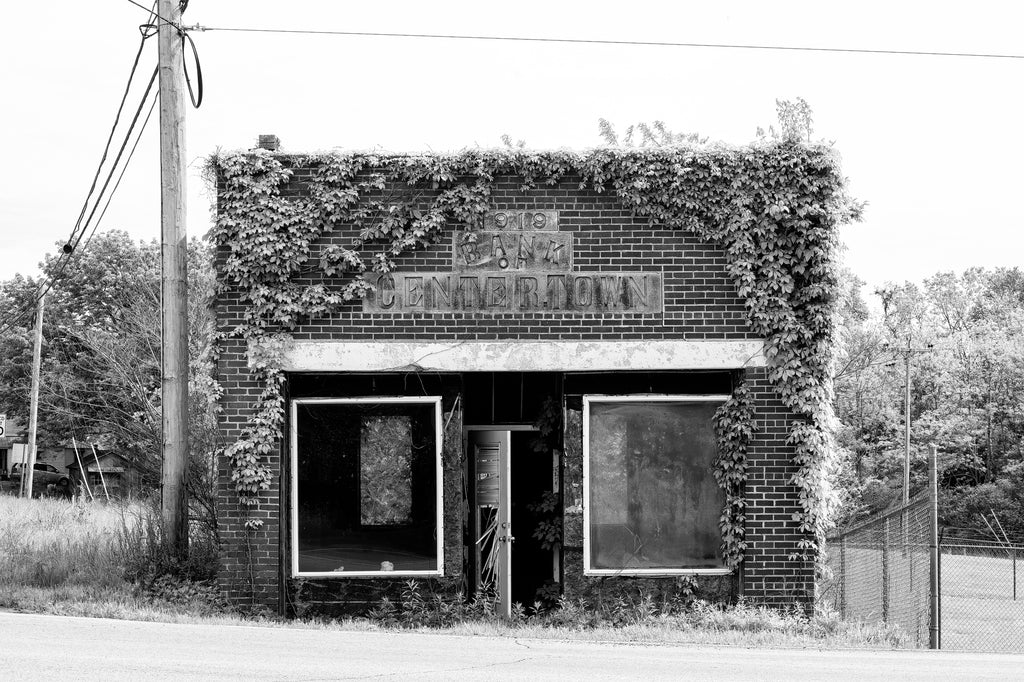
<point x="700" y="304"/>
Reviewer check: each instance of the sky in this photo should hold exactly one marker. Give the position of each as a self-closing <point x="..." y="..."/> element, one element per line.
<point x="932" y="144"/>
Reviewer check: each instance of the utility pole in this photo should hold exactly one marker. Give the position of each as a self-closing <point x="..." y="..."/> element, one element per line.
<point x="934" y="556"/>
<point x="906" y="425"/>
<point x="28" y="469"/>
<point x="907" y="353"/>
<point x="174" y="293"/>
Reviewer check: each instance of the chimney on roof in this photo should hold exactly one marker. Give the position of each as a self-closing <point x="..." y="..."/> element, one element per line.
<point x="271" y="142"/>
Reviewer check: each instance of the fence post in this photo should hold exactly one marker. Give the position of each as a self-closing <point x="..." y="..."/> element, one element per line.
<point x="935" y="618"/>
<point x="885" y="570"/>
<point x="842" y="577"/>
<point x="1014" y="574"/>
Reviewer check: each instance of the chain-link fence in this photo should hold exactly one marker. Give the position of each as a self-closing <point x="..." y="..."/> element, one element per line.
<point x="959" y="589"/>
<point x="982" y="594"/>
<point x="881" y="571"/>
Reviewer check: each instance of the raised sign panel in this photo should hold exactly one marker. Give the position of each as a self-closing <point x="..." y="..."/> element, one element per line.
<point x="499" y="292"/>
<point x="498" y="250"/>
<point x="521" y="220"/>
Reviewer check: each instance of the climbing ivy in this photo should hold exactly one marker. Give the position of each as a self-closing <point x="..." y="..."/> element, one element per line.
<point x="734" y="426"/>
<point x="774" y="207"/>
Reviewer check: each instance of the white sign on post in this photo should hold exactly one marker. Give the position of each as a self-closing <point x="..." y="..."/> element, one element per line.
<point x="3" y="425"/>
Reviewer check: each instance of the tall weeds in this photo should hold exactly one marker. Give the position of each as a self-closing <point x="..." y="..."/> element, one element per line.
<point x="50" y="542"/>
<point x="94" y="558"/>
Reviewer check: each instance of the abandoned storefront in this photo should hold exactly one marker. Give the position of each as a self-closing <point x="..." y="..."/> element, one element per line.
<point x="492" y="375"/>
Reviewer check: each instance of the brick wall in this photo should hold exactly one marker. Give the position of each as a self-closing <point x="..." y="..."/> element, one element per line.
<point x="768" y="574"/>
<point x="700" y="303"/>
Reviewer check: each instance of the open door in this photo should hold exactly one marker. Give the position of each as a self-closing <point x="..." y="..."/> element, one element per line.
<point x="492" y="513"/>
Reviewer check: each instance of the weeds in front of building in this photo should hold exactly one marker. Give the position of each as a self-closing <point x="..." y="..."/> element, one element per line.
<point x="640" y="618"/>
<point x="92" y="559"/>
<point x="95" y="559"/>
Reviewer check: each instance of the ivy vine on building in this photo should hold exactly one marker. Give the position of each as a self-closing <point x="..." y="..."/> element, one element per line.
<point x="774" y="207"/>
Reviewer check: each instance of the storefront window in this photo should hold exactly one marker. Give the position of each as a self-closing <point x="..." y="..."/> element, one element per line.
<point x="366" y="486"/>
<point x="652" y="504"/>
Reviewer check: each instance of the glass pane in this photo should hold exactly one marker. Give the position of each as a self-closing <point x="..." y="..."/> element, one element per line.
<point x="367" y="488"/>
<point x="654" y="501"/>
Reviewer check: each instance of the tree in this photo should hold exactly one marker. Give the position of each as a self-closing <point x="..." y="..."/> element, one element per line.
<point x="965" y="393"/>
<point x="101" y="361"/>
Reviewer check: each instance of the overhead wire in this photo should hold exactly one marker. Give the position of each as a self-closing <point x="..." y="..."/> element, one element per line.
<point x="596" y="41"/>
<point x="78" y="230"/>
<point x="195" y="95"/>
<point x="117" y="159"/>
<point x="48" y="281"/>
<point x="124" y="168"/>
<point x="110" y="136"/>
<point x="592" y="41"/>
<point x="153" y="13"/>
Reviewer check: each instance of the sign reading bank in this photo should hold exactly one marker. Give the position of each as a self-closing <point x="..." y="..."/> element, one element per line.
<point x="521" y="263"/>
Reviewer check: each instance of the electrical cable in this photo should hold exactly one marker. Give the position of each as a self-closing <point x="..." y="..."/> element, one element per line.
<point x="120" y="152"/>
<point x="591" y="41"/>
<point x="75" y="235"/>
<point x="196" y="101"/>
<point x="153" y="12"/>
<point x="78" y="231"/>
<point x="110" y="137"/>
<point x="124" y="168"/>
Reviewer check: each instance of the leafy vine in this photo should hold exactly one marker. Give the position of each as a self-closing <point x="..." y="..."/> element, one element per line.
<point x="773" y="206"/>
<point x="734" y="426"/>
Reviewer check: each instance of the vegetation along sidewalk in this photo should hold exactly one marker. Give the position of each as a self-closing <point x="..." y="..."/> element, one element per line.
<point x="77" y="558"/>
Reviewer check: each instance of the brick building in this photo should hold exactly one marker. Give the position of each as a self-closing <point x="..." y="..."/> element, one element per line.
<point x="557" y="370"/>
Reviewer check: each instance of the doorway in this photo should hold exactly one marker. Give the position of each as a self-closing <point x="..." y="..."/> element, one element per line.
<point x="511" y="477"/>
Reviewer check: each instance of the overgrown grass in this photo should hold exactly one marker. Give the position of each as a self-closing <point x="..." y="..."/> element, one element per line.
<point x="641" y="620"/>
<point x="49" y="542"/>
<point x="92" y="559"/>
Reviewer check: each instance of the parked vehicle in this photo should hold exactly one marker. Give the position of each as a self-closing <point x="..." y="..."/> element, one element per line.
<point x="44" y="476"/>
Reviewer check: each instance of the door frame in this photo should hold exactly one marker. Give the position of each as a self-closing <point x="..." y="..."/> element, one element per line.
<point x="504" y="576"/>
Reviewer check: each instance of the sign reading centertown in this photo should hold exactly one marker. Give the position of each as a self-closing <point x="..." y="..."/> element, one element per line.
<point x="639" y="292"/>
<point x="518" y="262"/>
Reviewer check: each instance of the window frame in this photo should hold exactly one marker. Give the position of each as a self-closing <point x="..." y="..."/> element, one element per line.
<point x="434" y="400"/>
<point x="588" y="399"/>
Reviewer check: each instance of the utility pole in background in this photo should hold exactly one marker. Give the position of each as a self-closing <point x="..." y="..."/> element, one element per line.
<point x="174" y="293"/>
<point x="934" y="553"/>
<point x="907" y="353"/>
<point x="28" y="469"/>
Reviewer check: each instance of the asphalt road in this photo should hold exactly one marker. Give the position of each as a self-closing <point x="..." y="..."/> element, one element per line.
<point x="36" y="647"/>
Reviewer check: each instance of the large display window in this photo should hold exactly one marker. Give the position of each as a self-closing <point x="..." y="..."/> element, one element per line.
<point x="366" y="486"/>
<point x="651" y="501"/>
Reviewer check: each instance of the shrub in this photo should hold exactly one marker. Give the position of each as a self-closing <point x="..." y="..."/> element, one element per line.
<point x="145" y="558"/>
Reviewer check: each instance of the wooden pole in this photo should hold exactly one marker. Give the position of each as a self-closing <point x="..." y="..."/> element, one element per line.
<point x="81" y="468"/>
<point x="906" y="427"/>
<point x="28" y="469"/>
<point x="174" y="299"/>
<point x="934" y="613"/>
<point x="99" y="468"/>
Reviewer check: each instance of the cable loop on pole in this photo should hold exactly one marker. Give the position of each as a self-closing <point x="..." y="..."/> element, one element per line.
<point x="195" y="95"/>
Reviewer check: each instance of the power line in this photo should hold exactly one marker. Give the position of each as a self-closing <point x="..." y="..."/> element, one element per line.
<point x="110" y="138"/>
<point x="76" y="236"/>
<point x="591" y="41"/>
<point x="123" y="169"/>
<point x="153" y="13"/>
<point x="117" y="159"/>
<point x="78" y="231"/>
